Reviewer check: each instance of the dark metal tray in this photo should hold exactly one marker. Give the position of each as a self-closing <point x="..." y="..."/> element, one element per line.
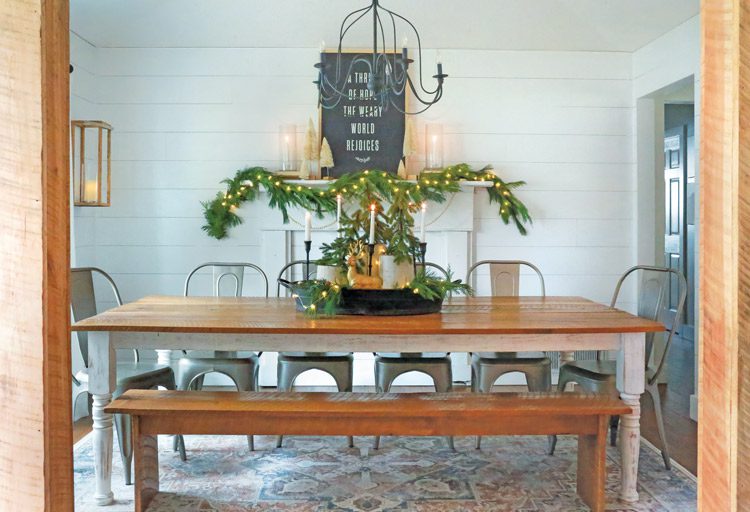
<point x="372" y="302"/>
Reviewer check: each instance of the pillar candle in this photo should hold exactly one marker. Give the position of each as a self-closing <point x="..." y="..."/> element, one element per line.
<point x="308" y="226"/>
<point x="90" y="191"/>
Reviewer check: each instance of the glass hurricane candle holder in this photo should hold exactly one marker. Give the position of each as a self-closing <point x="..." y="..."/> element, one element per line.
<point x="433" y="146"/>
<point x="288" y="147"/>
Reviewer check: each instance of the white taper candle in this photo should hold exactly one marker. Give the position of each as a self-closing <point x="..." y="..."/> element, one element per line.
<point x="308" y="226"/>
<point x="372" y="224"/>
<point x="338" y="212"/>
<point x="421" y="223"/>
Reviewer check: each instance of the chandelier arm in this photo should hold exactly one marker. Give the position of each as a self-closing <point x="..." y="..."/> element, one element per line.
<point x="385" y="50"/>
<point x="326" y="86"/>
<point x="343" y="31"/>
<point x="419" y="49"/>
<point x="437" y="94"/>
<point x="399" y="79"/>
<point x="339" y="89"/>
<point x="406" y="112"/>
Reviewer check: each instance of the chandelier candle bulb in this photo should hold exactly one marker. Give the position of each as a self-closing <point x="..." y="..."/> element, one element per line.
<point x="372" y="225"/>
<point x="308" y="227"/>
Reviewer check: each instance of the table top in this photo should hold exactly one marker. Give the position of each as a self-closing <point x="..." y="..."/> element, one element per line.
<point x="462" y="315"/>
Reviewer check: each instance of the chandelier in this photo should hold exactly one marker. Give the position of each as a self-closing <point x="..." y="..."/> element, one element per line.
<point x="387" y="68"/>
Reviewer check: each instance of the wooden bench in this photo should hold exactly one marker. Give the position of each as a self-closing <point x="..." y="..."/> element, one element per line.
<point x="366" y="414"/>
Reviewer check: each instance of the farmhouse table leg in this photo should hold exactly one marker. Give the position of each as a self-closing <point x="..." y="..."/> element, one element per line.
<point x="102" y="378"/>
<point x="630" y="384"/>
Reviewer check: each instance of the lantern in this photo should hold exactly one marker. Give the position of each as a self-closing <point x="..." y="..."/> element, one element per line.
<point x="92" y="165"/>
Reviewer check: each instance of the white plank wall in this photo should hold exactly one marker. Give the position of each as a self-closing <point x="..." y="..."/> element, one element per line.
<point x="186" y="118"/>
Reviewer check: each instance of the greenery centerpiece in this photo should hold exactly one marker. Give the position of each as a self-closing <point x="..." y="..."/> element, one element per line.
<point x="395" y="202"/>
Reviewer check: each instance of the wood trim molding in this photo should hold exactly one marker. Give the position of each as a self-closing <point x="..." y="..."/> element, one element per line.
<point x="58" y="433"/>
<point x="36" y="469"/>
<point x="724" y="376"/>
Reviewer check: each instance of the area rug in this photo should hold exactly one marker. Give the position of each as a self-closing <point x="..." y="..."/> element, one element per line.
<point x="406" y="474"/>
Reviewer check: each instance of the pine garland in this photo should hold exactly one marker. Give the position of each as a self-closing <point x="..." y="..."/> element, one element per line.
<point x="364" y="187"/>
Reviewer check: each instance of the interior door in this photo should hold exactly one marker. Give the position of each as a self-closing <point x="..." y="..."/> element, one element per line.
<point x="676" y="252"/>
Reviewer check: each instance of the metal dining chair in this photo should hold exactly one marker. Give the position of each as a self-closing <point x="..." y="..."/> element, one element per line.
<point x="243" y="371"/>
<point x="661" y="297"/>
<point x="436" y="365"/>
<point x="133" y="375"/>
<point x="290" y="365"/>
<point x="487" y="367"/>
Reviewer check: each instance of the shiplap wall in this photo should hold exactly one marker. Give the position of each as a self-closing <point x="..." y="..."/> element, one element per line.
<point x="186" y="118"/>
<point x="83" y="105"/>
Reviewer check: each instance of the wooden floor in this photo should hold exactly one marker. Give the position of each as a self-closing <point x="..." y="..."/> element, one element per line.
<point x="681" y="430"/>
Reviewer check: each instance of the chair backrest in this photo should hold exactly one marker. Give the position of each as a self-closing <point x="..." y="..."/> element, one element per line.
<point x="505" y="276"/>
<point x="297" y="267"/>
<point x="654" y="287"/>
<point x="83" y="301"/>
<point x="235" y="272"/>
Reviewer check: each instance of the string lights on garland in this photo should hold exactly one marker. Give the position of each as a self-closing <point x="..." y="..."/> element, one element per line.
<point x="366" y="187"/>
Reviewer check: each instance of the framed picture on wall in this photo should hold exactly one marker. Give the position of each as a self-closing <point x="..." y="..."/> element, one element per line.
<point x="362" y="133"/>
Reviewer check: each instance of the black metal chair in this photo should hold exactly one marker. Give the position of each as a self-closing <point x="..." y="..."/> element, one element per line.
<point x="487" y="367"/>
<point x="437" y="365"/>
<point x="661" y="297"/>
<point x="132" y="375"/>
<point x="243" y="371"/>
<point x="339" y="365"/>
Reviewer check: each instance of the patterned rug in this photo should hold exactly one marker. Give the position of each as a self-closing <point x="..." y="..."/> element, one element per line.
<point x="406" y="474"/>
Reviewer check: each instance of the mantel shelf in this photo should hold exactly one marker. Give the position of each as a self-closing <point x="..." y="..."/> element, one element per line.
<point x="325" y="183"/>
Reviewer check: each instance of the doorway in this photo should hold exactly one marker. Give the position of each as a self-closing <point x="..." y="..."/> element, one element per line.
<point x="679" y="206"/>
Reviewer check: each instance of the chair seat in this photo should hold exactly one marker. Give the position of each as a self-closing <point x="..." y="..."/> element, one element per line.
<point x="332" y="355"/>
<point x="603" y="370"/>
<point x="131" y="373"/>
<point x="509" y="357"/>
<point x="223" y="361"/>
<point x="600" y="370"/>
<point x="411" y="356"/>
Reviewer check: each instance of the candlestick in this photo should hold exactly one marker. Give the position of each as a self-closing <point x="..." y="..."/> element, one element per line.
<point x="372" y="225"/>
<point x="338" y="212"/>
<point x="371" y="250"/>
<point x="421" y="223"/>
<point x="308" y="246"/>
<point x="308" y="226"/>
<point x="423" y="252"/>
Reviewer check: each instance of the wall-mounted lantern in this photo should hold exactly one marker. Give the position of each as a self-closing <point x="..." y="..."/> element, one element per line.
<point x="92" y="165"/>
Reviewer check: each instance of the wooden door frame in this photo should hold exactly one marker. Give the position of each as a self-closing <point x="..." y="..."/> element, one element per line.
<point x="36" y="462"/>
<point x="39" y="216"/>
<point x="724" y="371"/>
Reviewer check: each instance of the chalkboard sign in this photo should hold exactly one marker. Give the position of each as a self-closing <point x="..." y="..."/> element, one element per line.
<point x="362" y="133"/>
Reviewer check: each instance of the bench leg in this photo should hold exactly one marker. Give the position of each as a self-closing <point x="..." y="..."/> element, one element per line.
<point x="146" y="467"/>
<point x="592" y="466"/>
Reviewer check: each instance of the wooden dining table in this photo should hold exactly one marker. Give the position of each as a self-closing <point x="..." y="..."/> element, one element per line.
<point x="477" y="324"/>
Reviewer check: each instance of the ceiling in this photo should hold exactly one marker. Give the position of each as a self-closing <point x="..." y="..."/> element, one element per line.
<point x="593" y="25"/>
